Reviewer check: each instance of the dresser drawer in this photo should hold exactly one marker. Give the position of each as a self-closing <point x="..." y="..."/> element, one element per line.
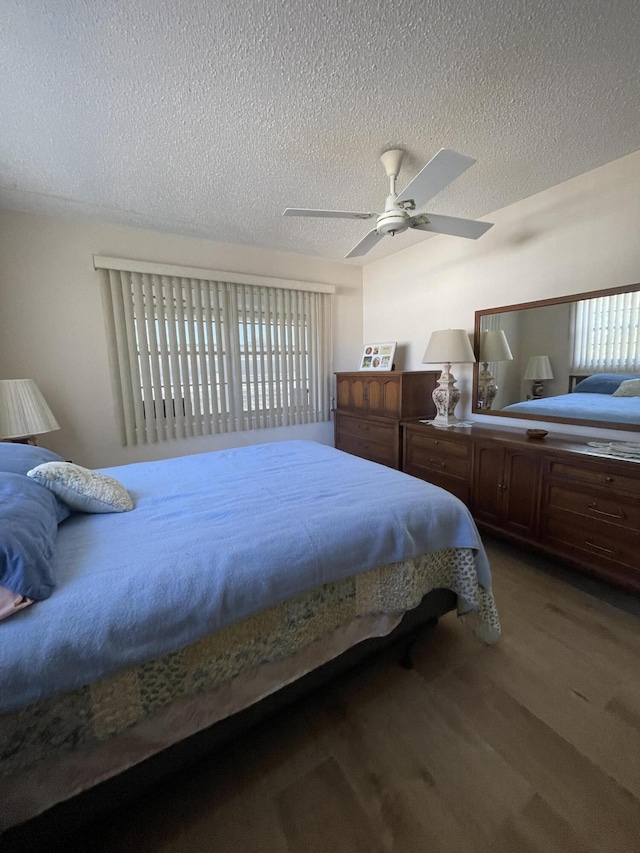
<point x="368" y="438"/>
<point x="597" y="539"/>
<point x="443" y="461"/>
<point x="434" y="446"/>
<point x="596" y="475"/>
<point x="600" y="505"/>
<point x="442" y="457"/>
<point x="439" y="464"/>
<point x="384" y="453"/>
<point x="365" y="428"/>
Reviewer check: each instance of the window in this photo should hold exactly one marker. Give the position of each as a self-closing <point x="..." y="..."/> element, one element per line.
<point x="194" y="352"/>
<point x="605" y="334"/>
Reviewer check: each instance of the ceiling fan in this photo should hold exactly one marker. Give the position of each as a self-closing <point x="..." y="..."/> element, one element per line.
<point x="440" y="171"/>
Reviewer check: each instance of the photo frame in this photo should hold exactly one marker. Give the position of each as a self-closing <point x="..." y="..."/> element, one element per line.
<point x="378" y="356"/>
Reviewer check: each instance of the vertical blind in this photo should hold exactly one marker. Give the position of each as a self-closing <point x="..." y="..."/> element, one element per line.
<point x="195" y="355"/>
<point x="491" y="323"/>
<point x="605" y="334"/>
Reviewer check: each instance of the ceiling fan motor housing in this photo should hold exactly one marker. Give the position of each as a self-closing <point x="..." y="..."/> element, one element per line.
<point x="393" y="220"/>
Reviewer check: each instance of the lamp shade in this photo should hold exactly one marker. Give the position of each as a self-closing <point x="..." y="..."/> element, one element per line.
<point x="448" y="346"/>
<point x="539" y="367"/>
<point x="495" y="347"/>
<point x="23" y="409"/>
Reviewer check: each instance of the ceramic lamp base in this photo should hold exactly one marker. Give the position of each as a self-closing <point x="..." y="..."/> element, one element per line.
<point x="487" y="389"/>
<point x="445" y="398"/>
<point x="486" y="396"/>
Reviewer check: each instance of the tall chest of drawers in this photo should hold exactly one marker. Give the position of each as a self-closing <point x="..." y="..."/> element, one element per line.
<point x="370" y="405"/>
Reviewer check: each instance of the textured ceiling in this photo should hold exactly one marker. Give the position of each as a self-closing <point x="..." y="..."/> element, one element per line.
<point x="208" y="118"/>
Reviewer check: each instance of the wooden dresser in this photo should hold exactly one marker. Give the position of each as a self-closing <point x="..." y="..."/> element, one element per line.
<point x="557" y="495"/>
<point x="370" y="406"/>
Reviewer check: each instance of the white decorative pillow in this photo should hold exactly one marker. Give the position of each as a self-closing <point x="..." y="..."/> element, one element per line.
<point x="628" y="388"/>
<point x="81" y="488"/>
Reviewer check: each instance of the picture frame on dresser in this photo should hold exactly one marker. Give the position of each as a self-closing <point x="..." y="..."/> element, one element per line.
<point x="378" y="356"/>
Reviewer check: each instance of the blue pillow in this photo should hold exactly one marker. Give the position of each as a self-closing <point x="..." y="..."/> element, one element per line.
<point x="28" y="529"/>
<point x="19" y="458"/>
<point x="602" y="383"/>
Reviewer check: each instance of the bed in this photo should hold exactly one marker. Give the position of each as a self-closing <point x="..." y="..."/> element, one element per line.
<point x="597" y="397"/>
<point x="237" y="574"/>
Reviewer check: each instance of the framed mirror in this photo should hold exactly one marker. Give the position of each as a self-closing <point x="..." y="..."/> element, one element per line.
<point x="574" y="359"/>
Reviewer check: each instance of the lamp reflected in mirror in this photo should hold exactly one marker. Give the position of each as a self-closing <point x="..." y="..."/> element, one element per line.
<point x="538" y="370"/>
<point x="494" y="347"/>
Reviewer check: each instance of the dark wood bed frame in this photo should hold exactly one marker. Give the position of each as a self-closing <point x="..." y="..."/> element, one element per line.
<point x="56" y="825"/>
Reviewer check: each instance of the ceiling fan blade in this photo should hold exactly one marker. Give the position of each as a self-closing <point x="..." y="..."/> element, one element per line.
<point x="330" y="214"/>
<point x="368" y="242"/>
<point x="443" y="168"/>
<point x="454" y="225"/>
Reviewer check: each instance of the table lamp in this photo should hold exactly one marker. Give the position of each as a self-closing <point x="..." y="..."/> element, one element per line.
<point x="448" y="346"/>
<point x="538" y="369"/>
<point x="493" y="347"/>
<point x="24" y="412"/>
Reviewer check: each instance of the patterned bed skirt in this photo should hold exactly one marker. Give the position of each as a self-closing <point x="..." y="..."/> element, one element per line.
<point x="216" y="674"/>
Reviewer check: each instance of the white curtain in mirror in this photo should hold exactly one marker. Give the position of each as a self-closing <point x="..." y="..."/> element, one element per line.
<point x="491" y="323"/>
<point x="605" y="333"/>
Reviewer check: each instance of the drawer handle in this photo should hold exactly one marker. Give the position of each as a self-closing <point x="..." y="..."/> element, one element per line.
<point x="599" y="547"/>
<point x="363" y="427"/>
<point x="594" y="508"/>
<point x="437" y="462"/>
<point x="502" y="487"/>
<point x="608" y="479"/>
<point x="364" y="444"/>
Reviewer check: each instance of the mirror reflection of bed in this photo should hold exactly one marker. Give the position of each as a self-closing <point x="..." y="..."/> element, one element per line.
<point x="575" y="359"/>
<point x="600" y="397"/>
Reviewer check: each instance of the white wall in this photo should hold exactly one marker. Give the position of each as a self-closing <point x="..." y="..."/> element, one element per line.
<point x="52" y="330"/>
<point x="578" y="236"/>
<point x="546" y="331"/>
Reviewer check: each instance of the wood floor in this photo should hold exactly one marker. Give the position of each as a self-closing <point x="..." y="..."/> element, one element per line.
<point x="530" y="745"/>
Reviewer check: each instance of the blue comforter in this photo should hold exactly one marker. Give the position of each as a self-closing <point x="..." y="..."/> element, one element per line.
<point x="213" y="539"/>
<point x="594" y="407"/>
